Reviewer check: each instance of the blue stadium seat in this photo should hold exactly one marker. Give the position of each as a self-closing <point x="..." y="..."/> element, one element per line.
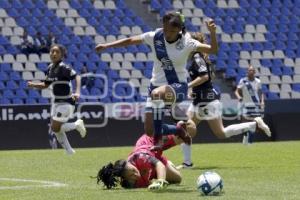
<point x="2" y="86"/>
<point x="33" y="94"/>
<point x="127" y="22"/>
<point x="20" y="93"/>
<point x="43" y="101"/>
<point x="4" y="101"/>
<point x="84" y="13"/>
<point x="23" y="84"/>
<point x="30" y="101"/>
<point x="296" y="87"/>
<point x="5" y="4"/>
<point x="5" y="67"/>
<point x="287" y="71"/>
<point x="155" y="5"/>
<point x="266" y="3"/>
<point x="272" y="95"/>
<point x="3" y="76"/>
<point x="7" y="93"/>
<point x="11" y="85"/>
<point x="87" y="4"/>
<point x="17" y="101"/>
<point x="276" y="71"/>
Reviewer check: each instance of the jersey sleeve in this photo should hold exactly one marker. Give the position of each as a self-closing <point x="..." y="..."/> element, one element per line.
<point x="69" y="73"/>
<point x="148" y="37"/>
<point x="200" y="65"/>
<point x="259" y="86"/>
<point x="47" y="81"/>
<point x="241" y="84"/>
<point x="192" y="44"/>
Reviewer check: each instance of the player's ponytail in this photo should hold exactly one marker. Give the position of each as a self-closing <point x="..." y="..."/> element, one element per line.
<point x="201" y="38"/>
<point x="111" y="174"/>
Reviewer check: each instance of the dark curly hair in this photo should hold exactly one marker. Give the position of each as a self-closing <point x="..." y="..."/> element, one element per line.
<point x="111" y="175"/>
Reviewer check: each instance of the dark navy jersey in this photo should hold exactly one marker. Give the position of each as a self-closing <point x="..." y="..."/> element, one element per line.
<point x="60" y="76"/>
<point x="204" y="92"/>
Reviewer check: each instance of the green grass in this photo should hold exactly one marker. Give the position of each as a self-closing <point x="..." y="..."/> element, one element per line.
<point x="262" y="171"/>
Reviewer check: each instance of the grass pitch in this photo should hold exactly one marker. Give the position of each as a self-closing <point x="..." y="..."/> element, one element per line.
<point x="261" y="171"/>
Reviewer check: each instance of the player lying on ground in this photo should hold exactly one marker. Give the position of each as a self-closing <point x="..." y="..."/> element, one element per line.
<point x="60" y="75"/>
<point x="143" y="167"/>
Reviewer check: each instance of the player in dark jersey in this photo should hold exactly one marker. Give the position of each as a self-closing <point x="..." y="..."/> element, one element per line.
<point x="59" y="76"/>
<point x="206" y="104"/>
<point x="143" y="167"/>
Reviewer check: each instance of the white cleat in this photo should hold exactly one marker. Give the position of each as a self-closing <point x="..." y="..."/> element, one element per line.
<point x="70" y="151"/>
<point x="80" y="127"/>
<point x="263" y="126"/>
<point x="185" y="166"/>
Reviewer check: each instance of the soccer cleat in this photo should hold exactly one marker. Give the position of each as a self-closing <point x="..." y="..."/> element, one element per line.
<point x="185" y="166"/>
<point x="262" y="126"/>
<point x="80" y="127"/>
<point x="182" y="133"/>
<point x="70" y="151"/>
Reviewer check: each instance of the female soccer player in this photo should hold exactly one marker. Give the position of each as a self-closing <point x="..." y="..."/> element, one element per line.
<point x="59" y="76"/>
<point x="206" y="104"/>
<point x="144" y="166"/>
<point x="171" y="46"/>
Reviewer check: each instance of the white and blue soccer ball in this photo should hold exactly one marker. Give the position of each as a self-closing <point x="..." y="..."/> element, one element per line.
<point x="210" y="183"/>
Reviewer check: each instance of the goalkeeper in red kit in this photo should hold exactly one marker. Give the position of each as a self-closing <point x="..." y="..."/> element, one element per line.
<point x="144" y="167"/>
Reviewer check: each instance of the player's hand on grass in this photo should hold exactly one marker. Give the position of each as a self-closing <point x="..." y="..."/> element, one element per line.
<point x="158" y="185"/>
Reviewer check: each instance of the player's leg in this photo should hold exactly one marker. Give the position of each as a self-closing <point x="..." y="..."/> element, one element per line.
<point x="194" y="120"/>
<point x="159" y="98"/>
<point x="216" y="123"/>
<point x="61" y="113"/>
<point x="61" y="136"/>
<point x="67" y="111"/>
<point x="172" y="174"/>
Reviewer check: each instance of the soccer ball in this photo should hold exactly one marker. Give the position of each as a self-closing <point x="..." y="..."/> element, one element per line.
<point x="209" y="183"/>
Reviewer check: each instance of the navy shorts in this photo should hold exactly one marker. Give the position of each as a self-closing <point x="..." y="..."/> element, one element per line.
<point x="180" y="90"/>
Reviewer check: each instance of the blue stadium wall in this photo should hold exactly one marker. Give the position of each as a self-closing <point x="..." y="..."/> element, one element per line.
<point x="26" y="127"/>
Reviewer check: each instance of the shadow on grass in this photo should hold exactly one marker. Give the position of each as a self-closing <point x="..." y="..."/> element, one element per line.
<point x="170" y="189"/>
<point x="218" y="167"/>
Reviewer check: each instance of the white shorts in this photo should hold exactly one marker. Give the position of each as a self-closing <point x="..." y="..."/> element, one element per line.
<point x="62" y="112"/>
<point x="208" y="111"/>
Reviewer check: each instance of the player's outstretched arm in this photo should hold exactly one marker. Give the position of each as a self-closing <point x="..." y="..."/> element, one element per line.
<point x="134" y="40"/>
<point x="213" y="47"/>
<point x="40" y="85"/>
<point x="76" y="95"/>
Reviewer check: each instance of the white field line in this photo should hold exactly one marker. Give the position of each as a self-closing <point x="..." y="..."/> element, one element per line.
<point x="42" y="184"/>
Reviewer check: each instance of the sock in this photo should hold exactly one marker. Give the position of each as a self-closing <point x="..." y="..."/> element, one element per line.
<point x="168" y="129"/>
<point x="52" y="140"/>
<point x="64" y="142"/>
<point x="66" y="127"/>
<point x="158" y="106"/>
<point x="238" y="129"/>
<point x="169" y="141"/>
<point x="187" y="151"/>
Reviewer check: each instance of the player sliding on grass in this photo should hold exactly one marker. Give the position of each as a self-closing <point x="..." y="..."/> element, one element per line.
<point x="171" y="46"/>
<point x="60" y="75"/>
<point x="143" y="167"/>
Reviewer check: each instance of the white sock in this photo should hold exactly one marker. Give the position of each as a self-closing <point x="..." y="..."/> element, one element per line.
<point x="238" y="129"/>
<point x="64" y="142"/>
<point x="66" y="127"/>
<point x="186" y="150"/>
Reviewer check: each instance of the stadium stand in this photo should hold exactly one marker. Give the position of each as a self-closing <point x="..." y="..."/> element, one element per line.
<point x="265" y="34"/>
